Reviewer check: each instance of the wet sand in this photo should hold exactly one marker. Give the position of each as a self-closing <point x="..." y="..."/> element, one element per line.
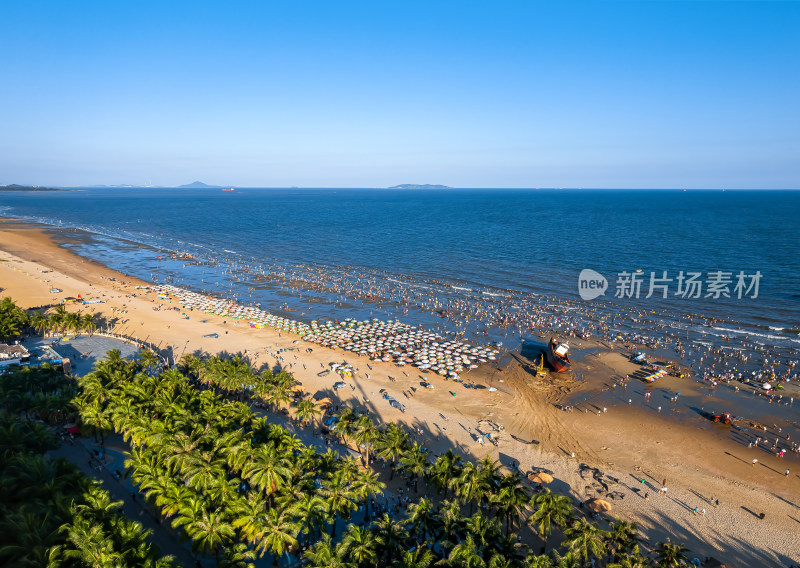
<point x="627" y="443"/>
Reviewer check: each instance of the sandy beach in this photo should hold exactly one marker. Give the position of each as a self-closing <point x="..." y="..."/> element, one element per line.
<point x="637" y="447"/>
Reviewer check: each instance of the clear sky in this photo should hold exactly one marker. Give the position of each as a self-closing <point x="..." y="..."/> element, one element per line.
<point x="370" y="94"/>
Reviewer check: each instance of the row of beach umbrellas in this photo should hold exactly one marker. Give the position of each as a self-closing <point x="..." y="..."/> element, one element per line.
<point x="388" y="341"/>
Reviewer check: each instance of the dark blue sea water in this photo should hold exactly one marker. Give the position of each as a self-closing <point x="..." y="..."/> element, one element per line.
<point x="485" y="244"/>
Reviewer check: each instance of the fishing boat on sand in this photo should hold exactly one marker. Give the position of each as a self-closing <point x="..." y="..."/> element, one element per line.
<point x="557" y="355"/>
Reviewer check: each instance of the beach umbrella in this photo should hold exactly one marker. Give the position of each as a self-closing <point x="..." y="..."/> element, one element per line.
<point x="598" y="505"/>
<point x="540" y="477"/>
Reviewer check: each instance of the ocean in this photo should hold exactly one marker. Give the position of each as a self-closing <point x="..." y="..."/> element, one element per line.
<point x="478" y="260"/>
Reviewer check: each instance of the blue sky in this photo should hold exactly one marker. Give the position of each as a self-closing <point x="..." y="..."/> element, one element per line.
<point x="371" y="94"/>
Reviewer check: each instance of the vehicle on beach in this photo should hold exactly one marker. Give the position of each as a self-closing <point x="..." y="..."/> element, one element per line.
<point x="724" y="417"/>
<point x="557" y="355"/>
<point x="719" y="417"/>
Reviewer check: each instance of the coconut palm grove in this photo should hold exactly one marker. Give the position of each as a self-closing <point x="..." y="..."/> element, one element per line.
<point x="208" y="454"/>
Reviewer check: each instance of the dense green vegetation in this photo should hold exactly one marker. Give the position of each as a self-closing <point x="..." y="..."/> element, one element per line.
<point x="241" y="487"/>
<point x="50" y="513"/>
<point x="12" y="319"/>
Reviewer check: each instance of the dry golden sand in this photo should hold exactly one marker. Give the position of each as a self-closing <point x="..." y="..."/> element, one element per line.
<point x="625" y="444"/>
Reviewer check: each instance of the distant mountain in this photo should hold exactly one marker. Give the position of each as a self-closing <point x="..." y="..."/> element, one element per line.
<point x="419" y="186"/>
<point x="198" y="185"/>
<point x="17" y="187"/>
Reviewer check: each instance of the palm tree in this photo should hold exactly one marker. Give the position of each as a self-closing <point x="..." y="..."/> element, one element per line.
<point x="453" y="528"/>
<point x="465" y="555"/>
<point x="97" y="418"/>
<point x="365" y="485"/>
<point x="622" y="536"/>
<point x="280" y="394"/>
<point x="277" y="534"/>
<point x="360" y="546"/>
<point x="446" y="468"/>
<point x="483" y="529"/>
<point x="310" y="510"/>
<point x="267" y="470"/>
<point x="113" y="360"/>
<point x="324" y="555"/>
<point x="472" y="485"/>
<point x="56" y="318"/>
<point x="202" y="469"/>
<point x="344" y="425"/>
<point x="208" y="529"/>
<point x="147" y="360"/>
<point x="500" y="561"/>
<point x="634" y="559"/>
<point x="238" y="556"/>
<point x="97" y="504"/>
<point x="71" y="322"/>
<point x="306" y="410"/>
<point x="32" y="535"/>
<point x="550" y="509"/>
<point x="87" y="323"/>
<point x="12" y="319"/>
<point x="8" y="329"/>
<point x="39" y="322"/>
<point x="365" y="434"/>
<point x="415" y="461"/>
<point x="510" y="500"/>
<point x="190" y="366"/>
<point x="419" y="557"/>
<point x="391" y="534"/>
<point x="670" y="554"/>
<point x="538" y="561"/>
<point x="568" y="560"/>
<point x="89" y="545"/>
<point x="392" y="443"/>
<point x="585" y="539"/>
<point x="423" y="520"/>
<point x="339" y="497"/>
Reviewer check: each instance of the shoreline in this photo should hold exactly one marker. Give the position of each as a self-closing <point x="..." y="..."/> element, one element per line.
<point x="634" y="438"/>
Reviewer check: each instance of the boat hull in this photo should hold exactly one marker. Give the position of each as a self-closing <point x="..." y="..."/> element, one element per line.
<point x="558" y="363"/>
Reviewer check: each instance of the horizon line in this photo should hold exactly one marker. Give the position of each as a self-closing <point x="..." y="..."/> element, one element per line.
<point x="444" y="188"/>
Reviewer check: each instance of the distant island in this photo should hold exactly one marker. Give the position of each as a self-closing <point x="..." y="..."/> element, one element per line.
<point x="198" y="185"/>
<point x="419" y="186"/>
<point x="17" y="187"/>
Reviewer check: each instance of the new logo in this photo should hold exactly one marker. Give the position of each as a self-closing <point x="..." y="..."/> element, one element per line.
<point x="591" y="284"/>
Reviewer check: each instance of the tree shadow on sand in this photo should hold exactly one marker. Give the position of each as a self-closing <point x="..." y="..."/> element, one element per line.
<point x="713" y="543"/>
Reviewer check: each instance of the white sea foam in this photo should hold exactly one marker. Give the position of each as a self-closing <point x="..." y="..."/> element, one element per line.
<point x="768" y="336"/>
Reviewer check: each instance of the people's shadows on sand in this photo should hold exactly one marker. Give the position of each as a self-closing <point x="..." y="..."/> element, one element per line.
<point x="757" y="515"/>
<point x="736" y="457"/>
